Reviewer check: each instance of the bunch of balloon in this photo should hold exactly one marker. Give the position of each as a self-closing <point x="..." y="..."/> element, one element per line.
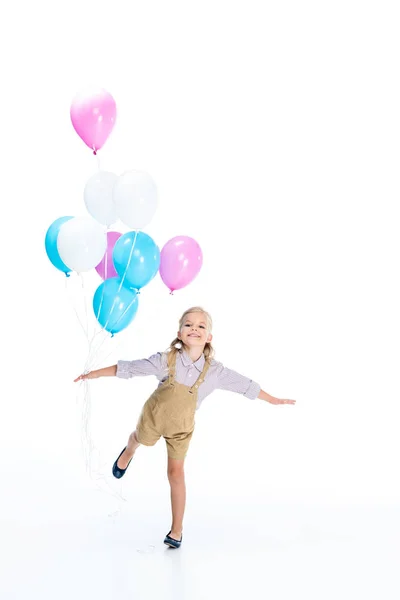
<point x="130" y="260"/>
<point x="126" y="262"/>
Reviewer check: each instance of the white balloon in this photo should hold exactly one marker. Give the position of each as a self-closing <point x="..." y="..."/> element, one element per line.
<point x="98" y="196"/>
<point x="82" y="244"/>
<point x="135" y="196"/>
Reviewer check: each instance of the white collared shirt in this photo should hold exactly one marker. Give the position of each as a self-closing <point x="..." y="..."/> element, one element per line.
<point x="187" y="373"/>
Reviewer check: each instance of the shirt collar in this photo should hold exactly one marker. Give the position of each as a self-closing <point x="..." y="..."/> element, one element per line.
<point x="187" y="361"/>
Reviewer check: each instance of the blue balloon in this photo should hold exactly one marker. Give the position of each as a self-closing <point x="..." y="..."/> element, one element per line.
<point x="50" y="243"/>
<point x="137" y="266"/>
<point x="114" y="305"/>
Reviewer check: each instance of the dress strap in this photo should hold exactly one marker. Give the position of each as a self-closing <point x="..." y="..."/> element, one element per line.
<point x="201" y="377"/>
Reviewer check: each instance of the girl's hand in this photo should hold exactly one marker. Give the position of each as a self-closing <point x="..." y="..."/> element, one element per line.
<point x="279" y="401"/>
<point x="90" y="375"/>
<point x="272" y="400"/>
<point x="106" y="372"/>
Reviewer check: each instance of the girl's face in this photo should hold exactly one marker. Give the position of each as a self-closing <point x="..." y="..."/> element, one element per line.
<point x="193" y="332"/>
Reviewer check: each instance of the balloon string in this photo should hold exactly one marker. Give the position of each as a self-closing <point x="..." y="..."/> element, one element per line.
<point x="91" y="340"/>
<point x="67" y="286"/>
<point x="95" y="364"/>
<point x="85" y="305"/>
<point x="91" y="358"/>
<point x="122" y="279"/>
<point x="129" y="261"/>
<point x="103" y="287"/>
<point x="125" y="311"/>
<point x="93" y="353"/>
<point x="91" y="453"/>
<point x="97" y="158"/>
<point x="88" y="448"/>
<point x="105" y="277"/>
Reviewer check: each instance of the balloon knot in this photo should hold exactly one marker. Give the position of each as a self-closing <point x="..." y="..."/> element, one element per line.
<point x="94" y="152"/>
<point x="171" y="293"/>
<point x="67" y="274"/>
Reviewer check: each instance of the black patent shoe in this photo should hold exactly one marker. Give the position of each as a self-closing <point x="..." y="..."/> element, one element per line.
<point x="169" y="541"/>
<point x="117" y="471"/>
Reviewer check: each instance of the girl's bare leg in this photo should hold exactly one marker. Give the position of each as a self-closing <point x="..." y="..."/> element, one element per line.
<point x="126" y="456"/>
<point x="176" y="477"/>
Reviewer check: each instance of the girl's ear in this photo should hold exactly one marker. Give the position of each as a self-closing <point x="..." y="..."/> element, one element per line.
<point x="178" y="335"/>
<point x="209" y="337"/>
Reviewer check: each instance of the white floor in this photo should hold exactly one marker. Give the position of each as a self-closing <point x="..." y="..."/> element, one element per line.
<point x="59" y="543"/>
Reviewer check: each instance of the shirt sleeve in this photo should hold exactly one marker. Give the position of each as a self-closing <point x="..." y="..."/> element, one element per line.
<point x="235" y="382"/>
<point x="155" y="365"/>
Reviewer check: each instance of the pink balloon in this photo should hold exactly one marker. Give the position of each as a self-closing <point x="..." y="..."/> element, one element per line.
<point x="106" y="268"/>
<point x="180" y="262"/>
<point x="93" y="117"/>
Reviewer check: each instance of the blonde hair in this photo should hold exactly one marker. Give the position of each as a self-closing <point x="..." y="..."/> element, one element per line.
<point x="173" y="350"/>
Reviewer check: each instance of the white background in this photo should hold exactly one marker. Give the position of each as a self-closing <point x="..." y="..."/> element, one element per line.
<point x="272" y="132"/>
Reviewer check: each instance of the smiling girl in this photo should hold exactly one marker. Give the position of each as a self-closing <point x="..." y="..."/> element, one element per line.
<point x="187" y="374"/>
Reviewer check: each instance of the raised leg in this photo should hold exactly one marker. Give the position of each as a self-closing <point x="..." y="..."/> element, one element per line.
<point x="131" y="447"/>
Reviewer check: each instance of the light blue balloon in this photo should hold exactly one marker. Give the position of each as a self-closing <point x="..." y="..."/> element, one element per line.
<point x="114" y="305"/>
<point x="139" y="266"/>
<point x="50" y="243"/>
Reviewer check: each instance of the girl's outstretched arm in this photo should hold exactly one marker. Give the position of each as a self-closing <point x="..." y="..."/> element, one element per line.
<point x="235" y="382"/>
<point x="272" y="400"/>
<point x="155" y="365"/>
<point x="106" y="372"/>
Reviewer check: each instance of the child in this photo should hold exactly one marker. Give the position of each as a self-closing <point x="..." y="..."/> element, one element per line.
<point x="187" y="374"/>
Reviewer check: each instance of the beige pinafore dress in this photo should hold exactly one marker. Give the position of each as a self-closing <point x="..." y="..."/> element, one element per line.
<point x="169" y="413"/>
